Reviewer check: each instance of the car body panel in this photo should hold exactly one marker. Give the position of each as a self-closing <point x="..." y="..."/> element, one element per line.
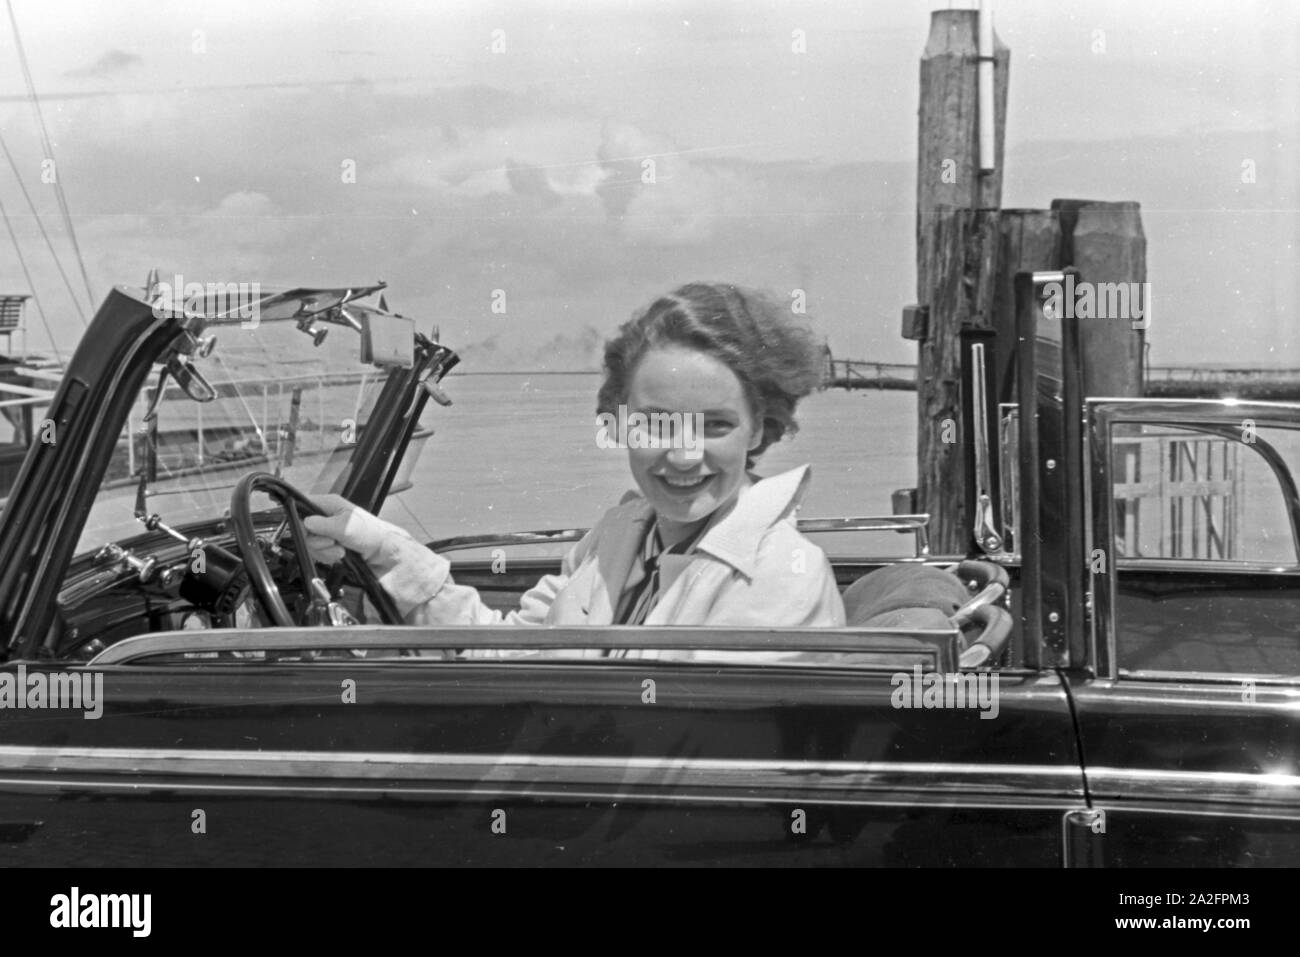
<point x="1190" y="729"/>
<point x="586" y="770"/>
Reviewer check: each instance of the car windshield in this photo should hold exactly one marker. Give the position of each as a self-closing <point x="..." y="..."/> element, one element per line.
<point x="283" y="405"/>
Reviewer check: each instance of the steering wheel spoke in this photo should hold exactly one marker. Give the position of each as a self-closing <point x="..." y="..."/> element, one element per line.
<point x="306" y="567"/>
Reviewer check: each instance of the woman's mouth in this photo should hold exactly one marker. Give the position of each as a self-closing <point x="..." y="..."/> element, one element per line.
<point x="685" y="484"/>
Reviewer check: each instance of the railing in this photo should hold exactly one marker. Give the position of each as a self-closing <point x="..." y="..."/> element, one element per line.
<point x="1178" y="496"/>
<point x="856" y="374"/>
<point x="1163" y="382"/>
<point x="1190" y="382"/>
<point x="262" y="427"/>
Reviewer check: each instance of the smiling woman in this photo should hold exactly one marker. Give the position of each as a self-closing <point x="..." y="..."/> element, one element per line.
<point x="706" y="542"/>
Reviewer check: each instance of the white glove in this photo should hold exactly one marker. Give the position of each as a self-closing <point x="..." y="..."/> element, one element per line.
<point x="407" y="570"/>
<point x="344" y="525"/>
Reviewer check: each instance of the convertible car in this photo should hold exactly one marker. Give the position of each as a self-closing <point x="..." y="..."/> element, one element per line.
<point x="1109" y="676"/>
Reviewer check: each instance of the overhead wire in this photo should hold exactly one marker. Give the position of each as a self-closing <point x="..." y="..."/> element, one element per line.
<point x="40" y="223"/>
<point x="49" y="153"/>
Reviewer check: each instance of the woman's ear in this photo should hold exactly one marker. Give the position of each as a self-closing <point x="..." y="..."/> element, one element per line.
<point x="756" y="439"/>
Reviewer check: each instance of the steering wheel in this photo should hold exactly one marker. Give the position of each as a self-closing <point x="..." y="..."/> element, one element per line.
<point x="295" y="504"/>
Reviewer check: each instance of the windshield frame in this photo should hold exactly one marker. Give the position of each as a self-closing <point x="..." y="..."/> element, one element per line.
<point x="51" y="498"/>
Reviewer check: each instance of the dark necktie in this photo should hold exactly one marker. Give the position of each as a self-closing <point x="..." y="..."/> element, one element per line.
<point x="638" y="598"/>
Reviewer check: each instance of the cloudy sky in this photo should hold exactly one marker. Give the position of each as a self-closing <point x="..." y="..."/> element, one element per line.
<point x="458" y="148"/>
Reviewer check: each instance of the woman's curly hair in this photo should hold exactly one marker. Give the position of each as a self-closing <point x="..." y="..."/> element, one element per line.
<point x="777" y="360"/>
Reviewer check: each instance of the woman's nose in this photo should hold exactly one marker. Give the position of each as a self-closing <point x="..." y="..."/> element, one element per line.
<point x="683" y="457"/>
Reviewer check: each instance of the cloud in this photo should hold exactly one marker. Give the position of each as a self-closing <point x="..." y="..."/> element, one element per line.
<point x="110" y="64"/>
<point x="622" y="150"/>
<point x="547" y="155"/>
<point x="529" y="181"/>
<point x="662" y="195"/>
<point x="245" y="205"/>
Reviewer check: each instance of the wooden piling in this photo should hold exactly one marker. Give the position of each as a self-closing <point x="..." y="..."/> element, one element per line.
<point x="957" y="243"/>
<point x="1105" y="242"/>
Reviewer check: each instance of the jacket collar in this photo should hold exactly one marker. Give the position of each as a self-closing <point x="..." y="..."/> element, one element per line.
<point x="734" y="536"/>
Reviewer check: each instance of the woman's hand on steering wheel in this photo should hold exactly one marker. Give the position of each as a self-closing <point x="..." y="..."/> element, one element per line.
<point x="340" y="525"/>
<point x="344" y="526"/>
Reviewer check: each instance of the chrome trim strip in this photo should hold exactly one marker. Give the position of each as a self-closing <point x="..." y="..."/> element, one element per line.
<point x="1091" y="544"/>
<point x="916" y="524"/>
<point x="1208" y="794"/>
<point x="1101" y="531"/>
<point x="1197" y="680"/>
<point x="989" y="537"/>
<point x="1129" y="787"/>
<point x="1065" y="837"/>
<point x="1239" y="567"/>
<point x="795" y="795"/>
<point x="1157" y="778"/>
<point x="1008" y="471"/>
<point x="845" y="780"/>
<point x="635" y="637"/>
<point x="539" y="537"/>
<point x="1185" y="690"/>
<point x="1196" y="808"/>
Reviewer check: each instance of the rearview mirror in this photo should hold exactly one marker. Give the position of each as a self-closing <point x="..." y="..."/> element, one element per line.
<point x="387" y="340"/>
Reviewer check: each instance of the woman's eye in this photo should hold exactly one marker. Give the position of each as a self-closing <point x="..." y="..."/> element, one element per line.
<point x="716" y="427"/>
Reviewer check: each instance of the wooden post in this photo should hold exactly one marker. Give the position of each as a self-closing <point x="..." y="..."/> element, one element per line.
<point x="957" y="239"/>
<point x="1105" y="242"/>
<point x="1029" y="240"/>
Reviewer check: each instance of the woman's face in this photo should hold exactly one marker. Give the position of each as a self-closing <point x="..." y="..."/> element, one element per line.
<point x="686" y="485"/>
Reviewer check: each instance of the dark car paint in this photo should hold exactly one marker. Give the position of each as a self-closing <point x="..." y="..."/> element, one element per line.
<point x="586" y="771"/>
<point x="1192" y="773"/>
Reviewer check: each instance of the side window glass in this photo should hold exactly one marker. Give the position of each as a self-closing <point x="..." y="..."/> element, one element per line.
<point x="1187" y="494"/>
<point x="1219" y="504"/>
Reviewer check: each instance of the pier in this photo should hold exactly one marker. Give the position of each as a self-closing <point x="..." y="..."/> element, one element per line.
<point x="1162" y="382"/>
<point x="1195" y="382"/>
<point x="855" y="374"/>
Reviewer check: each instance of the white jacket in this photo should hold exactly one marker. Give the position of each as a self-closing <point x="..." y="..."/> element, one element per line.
<point x="750" y="568"/>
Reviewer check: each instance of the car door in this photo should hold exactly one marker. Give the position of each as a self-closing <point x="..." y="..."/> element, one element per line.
<point x="1190" y="721"/>
<point x="326" y="758"/>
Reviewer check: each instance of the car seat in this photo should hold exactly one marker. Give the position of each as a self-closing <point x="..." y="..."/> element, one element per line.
<point x="911" y="595"/>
